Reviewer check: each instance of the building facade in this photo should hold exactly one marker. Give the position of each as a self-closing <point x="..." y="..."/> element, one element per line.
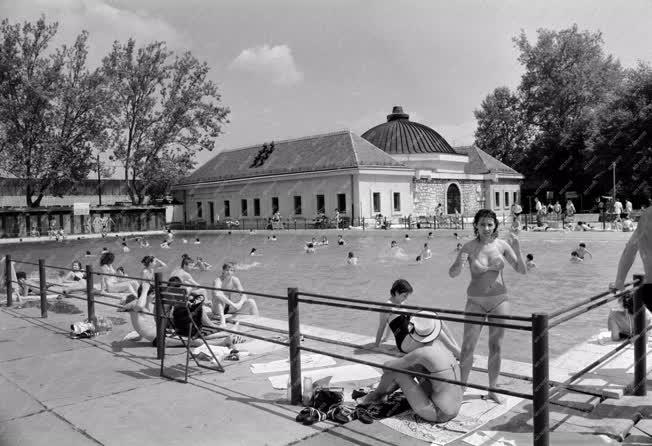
<point x="395" y="169"/>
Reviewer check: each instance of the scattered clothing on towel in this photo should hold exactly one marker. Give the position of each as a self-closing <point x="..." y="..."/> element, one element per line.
<point x="395" y="404"/>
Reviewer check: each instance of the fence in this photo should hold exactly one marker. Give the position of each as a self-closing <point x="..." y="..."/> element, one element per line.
<point x="538" y="324"/>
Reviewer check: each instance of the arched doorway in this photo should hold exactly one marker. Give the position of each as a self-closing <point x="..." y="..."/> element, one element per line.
<point x="453" y="199"/>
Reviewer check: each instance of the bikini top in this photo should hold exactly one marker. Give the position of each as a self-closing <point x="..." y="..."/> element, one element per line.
<point x="478" y="268"/>
<point x="400" y="326"/>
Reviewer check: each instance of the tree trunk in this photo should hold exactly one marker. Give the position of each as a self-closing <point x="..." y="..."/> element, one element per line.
<point x="37" y="202"/>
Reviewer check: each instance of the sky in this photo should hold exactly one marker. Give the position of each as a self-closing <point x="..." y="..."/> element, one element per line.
<point x="293" y="68"/>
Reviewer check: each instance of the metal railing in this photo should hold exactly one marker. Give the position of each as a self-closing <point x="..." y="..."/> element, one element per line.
<point x="538" y="324"/>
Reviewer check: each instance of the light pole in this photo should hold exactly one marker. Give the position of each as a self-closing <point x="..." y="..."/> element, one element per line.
<point x="99" y="181"/>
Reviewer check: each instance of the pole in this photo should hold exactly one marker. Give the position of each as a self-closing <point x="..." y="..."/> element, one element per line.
<point x="294" y="331"/>
<point x="8" y="283"/>
<point x="90" y="294"/>
<point x="160" y="321"/>
<point x="99" y="181"/>
<point x="640" y="340"/>
<point x="540" y="385"/>
<point x="42" y="288"/>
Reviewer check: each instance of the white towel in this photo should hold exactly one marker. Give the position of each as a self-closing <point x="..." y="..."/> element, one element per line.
<point x="355" y="372"/>
<point x="283" y="365"/>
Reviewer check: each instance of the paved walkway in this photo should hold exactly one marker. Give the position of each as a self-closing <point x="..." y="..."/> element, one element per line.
<point x="56" y="390"/>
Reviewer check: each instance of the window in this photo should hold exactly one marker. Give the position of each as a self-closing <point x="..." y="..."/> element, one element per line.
<point x="274" y="205"/>
<point x="211" y="211"/>
<point x="506" y="199"/>
<point x="515" y="197"/>
<point x="199" y="210"/>
<point x="257" y="207"/>
<point x="376" y="202"/>
<point x="227" y="208"/>
<point x="341" y="202"/>
<point x="243" y="207"/>
<point x="497" y="204"/>
<point x="321" y="204"/>
<point x="297" y="205"/>
<point x="397" y="202"/>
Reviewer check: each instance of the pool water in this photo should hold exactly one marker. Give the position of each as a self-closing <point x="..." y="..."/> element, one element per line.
<point x="283" y="263"/>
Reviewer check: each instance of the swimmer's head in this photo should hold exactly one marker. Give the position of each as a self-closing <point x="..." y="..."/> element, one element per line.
<point x="21" y="276"/>
<point x="185" y="262"/>
<point x="120" y="270"/>
<point x="147" y="260"/>
<point x="88" y="253"/>
<point x="582" y="245"/>
<point x="124" y="243"/>
<point x="76" y="265"/>
<point x="459" y="246"/>
<point x="107" y="258"/>
<point x="481" y="218"/>
<point x="393" y="244"/>
<point x="430" y="233"/>
<point x="228" y="266"/>
<point x="351" y="254"/>
<point x="574" y="254"/>
<point x="407" y="235"/>
<point x="400" y="286"/>
<point x="425" y="245"/>
<point x="197" y="239"/>
<point x="253" y="250"/>
<point x="530" y="257"/>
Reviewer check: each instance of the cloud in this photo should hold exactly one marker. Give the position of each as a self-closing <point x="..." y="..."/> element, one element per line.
<point x="274" y="61"/>
<point x="104" y="22"/>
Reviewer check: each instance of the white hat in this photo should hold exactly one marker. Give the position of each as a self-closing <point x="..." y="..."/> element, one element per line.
<point x="425" y="329"/>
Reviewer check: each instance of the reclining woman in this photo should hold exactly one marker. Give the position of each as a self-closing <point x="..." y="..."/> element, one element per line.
<point x="433" y="400"/>
<point x="74" y="280"/>
<point x="110" y="283"/>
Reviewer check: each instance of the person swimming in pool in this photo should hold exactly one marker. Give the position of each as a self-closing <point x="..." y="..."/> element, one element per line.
<point x="487" y="293"/>
<point x="352" y="259"/>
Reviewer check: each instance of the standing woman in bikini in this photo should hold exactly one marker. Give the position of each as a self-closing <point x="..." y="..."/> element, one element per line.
<point x="487" y="293"/>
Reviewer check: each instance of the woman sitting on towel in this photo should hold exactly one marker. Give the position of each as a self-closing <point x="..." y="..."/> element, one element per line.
<point x="402" y="327"/>
<point x="433" y="400"/>
<point x="75" y="279"/>
<point x="110" y="283"/>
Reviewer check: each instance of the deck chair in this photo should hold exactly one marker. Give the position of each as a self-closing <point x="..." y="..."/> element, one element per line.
<point x="177" y="299"/>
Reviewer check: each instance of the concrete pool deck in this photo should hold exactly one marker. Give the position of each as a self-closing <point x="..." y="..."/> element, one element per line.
<point x="58" y="390"/>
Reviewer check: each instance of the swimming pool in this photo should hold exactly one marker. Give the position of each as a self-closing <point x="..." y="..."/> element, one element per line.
<point x="283" y="263"/>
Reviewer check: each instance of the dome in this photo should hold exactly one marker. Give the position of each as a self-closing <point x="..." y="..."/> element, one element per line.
<point x="401" y="136"/>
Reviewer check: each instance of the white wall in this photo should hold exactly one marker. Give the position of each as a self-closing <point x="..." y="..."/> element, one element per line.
<point x="386" y="185"/>
<point x="285" y="189"/>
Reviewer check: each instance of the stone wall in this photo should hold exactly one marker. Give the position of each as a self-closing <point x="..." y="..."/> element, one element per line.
<point x="428" y="193"/>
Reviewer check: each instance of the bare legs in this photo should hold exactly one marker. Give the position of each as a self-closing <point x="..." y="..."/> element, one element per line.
<point x="470" y="340"/>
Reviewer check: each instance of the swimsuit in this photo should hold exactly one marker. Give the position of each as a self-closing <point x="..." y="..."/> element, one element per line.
<point x="487" y="303"/>
<point x="400" y="326"/>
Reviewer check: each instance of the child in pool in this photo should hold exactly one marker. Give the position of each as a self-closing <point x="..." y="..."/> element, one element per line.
<point x="407" y="237"/>
<point x="340" y="240"/>
<point x="197" y="242"/>
<point x="310" y="248"/>
<point x="530" y="262"/>
<point x="582" y="251"/>
<point x="575" y="258"/>
<point x="352" y="259"/>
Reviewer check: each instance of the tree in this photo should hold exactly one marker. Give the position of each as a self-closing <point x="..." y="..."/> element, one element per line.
<point x="163" y="111"/>
<point x="622" y="133"/>
<point x="51" y="113"/>
<point x="501" y="130"/>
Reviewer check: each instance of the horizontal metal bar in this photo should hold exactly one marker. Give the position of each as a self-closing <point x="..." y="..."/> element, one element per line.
<point x="419" y="374"/>
<point x="415" y="307"/>
<point x="582" y="311"/>
<point x="584" y="302"/>
<point x="443" y="318"/>
<point x="205" y="287"/>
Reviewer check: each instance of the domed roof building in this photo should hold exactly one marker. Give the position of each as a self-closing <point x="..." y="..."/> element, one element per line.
<point x="397" y="168"/>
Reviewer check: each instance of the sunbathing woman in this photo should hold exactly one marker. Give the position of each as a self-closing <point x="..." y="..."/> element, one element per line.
<point x="487" y="293"/>
<point x="110" y="283"/>
<point x="433" y="400"/>
<point x="75" y="279"/>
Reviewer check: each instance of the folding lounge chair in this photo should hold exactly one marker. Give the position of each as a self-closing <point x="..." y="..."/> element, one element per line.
<point x="177" y="299"/>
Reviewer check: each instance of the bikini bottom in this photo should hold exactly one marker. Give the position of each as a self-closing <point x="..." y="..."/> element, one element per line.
<point x="487" y="303"/>
<point x="442" y="416"/>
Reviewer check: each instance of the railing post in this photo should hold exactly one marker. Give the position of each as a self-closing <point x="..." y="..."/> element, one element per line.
<point x="295" y="345"/>
<point x="8" y="283"/>
<point x="160" y="321"/>
<point x="640" y="340"/>
<point x="540" y="390"/>
<point x="90" y="294"/>
<point x="42" y="288"/>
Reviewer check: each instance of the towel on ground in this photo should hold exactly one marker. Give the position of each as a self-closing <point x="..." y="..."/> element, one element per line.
<point x="355" y="372"/>
<point x="283" y="365"/>
<point x="474" y="413"/>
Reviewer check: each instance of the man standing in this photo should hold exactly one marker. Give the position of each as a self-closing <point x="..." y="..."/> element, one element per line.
<point x="628" y="207"/>
<point x="618" y="209"/>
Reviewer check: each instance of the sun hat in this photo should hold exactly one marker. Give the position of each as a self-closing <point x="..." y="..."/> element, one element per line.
<point x="425" y="329"/>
